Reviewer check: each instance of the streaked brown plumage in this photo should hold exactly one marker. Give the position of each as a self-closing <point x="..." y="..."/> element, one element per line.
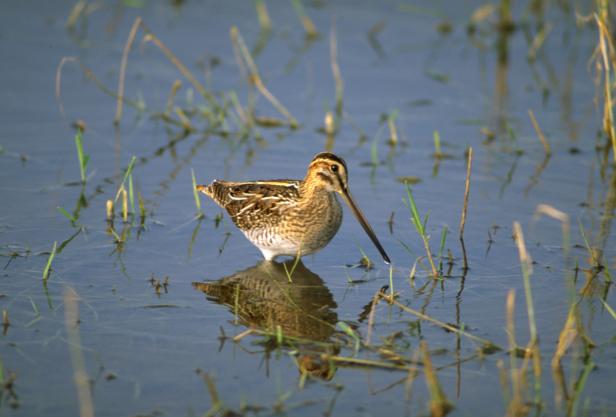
<point x="291" y="217"/>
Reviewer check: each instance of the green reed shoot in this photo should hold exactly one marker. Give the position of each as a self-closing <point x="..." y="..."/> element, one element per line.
<point x="365" y="261"/>
<point x="263" y="15"/>
<point x="351" y="333"/>
<point x="49" y="261"/>
<point x="421" y="229"/>
<point x="127" y="174"/>
<point x="66" y="214"/>
<point x="295" y="263"/>
<point x="374" y="155"/>
<point x="609" y="309"/>
<point x="309" y="28"/>
<point x="83" y="158"/>
<point x="437" y="145"/>
<point x="442" y="248"/>
<point x="196" y="195"/>
<point x="131" y="194"/>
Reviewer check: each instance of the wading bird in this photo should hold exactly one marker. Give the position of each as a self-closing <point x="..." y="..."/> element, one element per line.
<point x="291" y="217"/>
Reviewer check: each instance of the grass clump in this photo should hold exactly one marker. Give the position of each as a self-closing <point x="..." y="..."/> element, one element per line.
<point x="420" y="226"/>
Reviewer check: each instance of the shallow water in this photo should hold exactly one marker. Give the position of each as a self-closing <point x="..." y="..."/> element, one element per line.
<point x="142" y="345"/>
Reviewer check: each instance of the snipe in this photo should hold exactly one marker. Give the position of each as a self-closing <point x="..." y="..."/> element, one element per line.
<point x="291" y="217"/>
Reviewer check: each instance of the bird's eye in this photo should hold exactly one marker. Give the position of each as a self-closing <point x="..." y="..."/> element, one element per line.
<point x="334" y="168"/>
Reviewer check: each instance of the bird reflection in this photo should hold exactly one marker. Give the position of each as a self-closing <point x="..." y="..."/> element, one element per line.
<point x="287" y="297"/>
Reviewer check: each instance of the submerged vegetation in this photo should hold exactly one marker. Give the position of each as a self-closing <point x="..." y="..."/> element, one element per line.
<point x="443" y="313"/>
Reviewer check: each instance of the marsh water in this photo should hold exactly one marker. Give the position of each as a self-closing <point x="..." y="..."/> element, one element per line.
<point x="169" y="313"/>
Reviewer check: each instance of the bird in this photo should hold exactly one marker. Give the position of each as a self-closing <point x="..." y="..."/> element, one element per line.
<point x="292" y="217"/>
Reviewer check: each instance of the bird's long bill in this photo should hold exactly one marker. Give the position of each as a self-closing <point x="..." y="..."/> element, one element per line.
<point x="364" y="223"/>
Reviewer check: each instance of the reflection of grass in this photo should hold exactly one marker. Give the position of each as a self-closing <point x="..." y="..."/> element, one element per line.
<point x="439" y="405"/>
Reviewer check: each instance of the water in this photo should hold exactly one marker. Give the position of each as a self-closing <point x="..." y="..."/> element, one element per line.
<point x="142" y="347"/>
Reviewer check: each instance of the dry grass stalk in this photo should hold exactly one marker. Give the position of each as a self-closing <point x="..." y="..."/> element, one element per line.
<point x="150" y="37"/>
<point x="330" y="130"/>
<point x="375" y="302"/>
<point x="333" y="57"/>
<point x="562" y="217"/>
<point x="467" y="188"/>
<point x="527" y="269"/>
<point x="484" y="342"/>
<point x="408" y="385"/>
<point x="606" y="49"/>
<point x="186" y="125"/>
<point x="516" y="406"/>
<point x="368" y="363"/>
<point x="58" y="83"/>
<point x="80" y="375"/>
<point x="89" y="74"/>
<point x="439" y="405"/>
<point x="309" y="27"/>
<point x="124" y="195"/>
<point x="123" y="63"/>
<point x="567" y="336"/>
<point x="175" y="87"/>
<point x="109" y="210"/>
<point x="542" y="138"/>
<point x="254" y="78"/>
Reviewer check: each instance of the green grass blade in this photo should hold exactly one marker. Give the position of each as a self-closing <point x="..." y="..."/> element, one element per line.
<point x="350" y="332"/>
<point x="442" y="246"/>
<point x="128" y="172"/>
<point x="66" y="214"/>
<point x="609" y="309"/>
<point x="49" y="260"/>
<point x="414" y="212"/>
<point x="83" y="159"/>
<point x="131" y="195"/>
<point x="437" y="143"/>
<point x="196" y="193"/>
